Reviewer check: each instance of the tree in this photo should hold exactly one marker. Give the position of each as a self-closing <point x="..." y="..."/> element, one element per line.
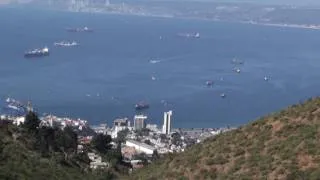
<point x="45" y="140"/>
<point x="66" y="140"/>
<point x="143" y="132"/>
<point x="176" y="139"/>
<point x="31" y="122"/>
<point x="163" y="137"/>
<point x="155" y="155"/>
<point x="101" y="143"/>
<point x="143" y="157"/>
<point x="122" y="135"/>
<point x="147" y="141"/>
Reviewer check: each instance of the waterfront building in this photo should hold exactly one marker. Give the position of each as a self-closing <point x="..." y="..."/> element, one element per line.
<point x="121" y="122"/>
<point x="102" y="129"/>
<point x="152" y="127"/>
<point x="166" y="128"/>
<point x="140" y="122"/>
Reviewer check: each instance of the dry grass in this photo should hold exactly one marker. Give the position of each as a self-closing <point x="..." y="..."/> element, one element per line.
<point x="280" y="146"/>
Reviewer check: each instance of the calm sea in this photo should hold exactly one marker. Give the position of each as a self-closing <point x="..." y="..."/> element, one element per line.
<point x="109" y="72"/>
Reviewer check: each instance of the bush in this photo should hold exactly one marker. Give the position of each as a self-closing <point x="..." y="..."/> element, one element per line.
<point x="219" y="160"/>
<point x="239" y="152"/>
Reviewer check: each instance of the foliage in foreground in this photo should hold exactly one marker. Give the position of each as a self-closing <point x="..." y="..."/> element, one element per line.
<point x="32" y="152"/>
<point x="284" y="145"/>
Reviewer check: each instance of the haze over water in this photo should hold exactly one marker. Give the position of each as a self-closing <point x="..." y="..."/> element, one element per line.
<point x="110" y="71"/>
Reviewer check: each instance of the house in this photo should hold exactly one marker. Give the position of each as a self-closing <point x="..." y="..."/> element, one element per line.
<point x="128" y="152"/>
<point x="19" y="120"/>
<point x="96" y="161"/>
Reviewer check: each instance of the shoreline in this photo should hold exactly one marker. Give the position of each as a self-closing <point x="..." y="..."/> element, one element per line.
<point x="280" y="25"/>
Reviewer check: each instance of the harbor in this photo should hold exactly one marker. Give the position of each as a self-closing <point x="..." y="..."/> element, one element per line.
<point x="140" y="137"/>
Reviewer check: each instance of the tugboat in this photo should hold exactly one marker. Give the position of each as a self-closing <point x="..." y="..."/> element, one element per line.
<point x="37" y="53"/>
<point x="141" y="106"/>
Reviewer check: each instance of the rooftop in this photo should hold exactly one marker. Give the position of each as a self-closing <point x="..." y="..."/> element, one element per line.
<point x="141" y="144"/>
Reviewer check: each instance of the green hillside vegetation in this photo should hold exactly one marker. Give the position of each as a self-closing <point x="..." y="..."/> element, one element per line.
<point x="30" y="152"/>
<point x="283" y="145"/>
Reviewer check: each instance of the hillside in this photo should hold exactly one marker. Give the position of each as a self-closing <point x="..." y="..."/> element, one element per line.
<point x="25" y="154"/>
<point x="283" y="145"/>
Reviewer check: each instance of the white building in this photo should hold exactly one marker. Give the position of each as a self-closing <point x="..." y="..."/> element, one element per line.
<point x="119" y="125"/>
<point x="96" y="161"/>
<point x="152" y="127"/>
<point x="19" y="120"/>
<point x="141" y="147"/>
<point x="100" y="129"/>
<point x="166" y="129"/>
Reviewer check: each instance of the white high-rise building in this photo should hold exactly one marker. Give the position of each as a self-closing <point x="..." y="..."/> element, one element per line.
<point x="166" y="128"/>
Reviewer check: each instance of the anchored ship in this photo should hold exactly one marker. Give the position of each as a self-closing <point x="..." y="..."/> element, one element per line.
<point x="37" y="53"/>
<point x="84" y="29"/>
<point x="14" y="108"/>
<point x="66" y="43"/>
<point x="190" y="35"/>
<point x="141" y="106"/>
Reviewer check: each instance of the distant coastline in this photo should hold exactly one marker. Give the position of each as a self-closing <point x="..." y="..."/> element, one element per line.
<point x="283" y="25"/>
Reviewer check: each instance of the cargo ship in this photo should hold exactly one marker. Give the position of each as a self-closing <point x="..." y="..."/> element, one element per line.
<point x="190" y="35"/>
<point x="141" y="106"/>
<point x="66" y="44"/>
<point x="37" y="53"/>
<point x="84" y="29"/>
<point x="14" y="108"/>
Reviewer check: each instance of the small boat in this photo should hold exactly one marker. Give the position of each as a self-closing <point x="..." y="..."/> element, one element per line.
<point x="152" y="61"/>
<point x="266" y="78"/>
<point x="237" y="70"/>
<point x="153" y="78"/>
<point x="141" y="106"/>
<point x="209" y="83"/>
<point x="236" y="61"/>
<point x="223" y="95"/>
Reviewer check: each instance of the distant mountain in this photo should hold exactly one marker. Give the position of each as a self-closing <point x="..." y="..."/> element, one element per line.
<point x="284" y="145"/>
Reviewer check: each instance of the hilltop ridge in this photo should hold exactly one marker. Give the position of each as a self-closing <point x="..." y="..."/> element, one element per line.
<point x="283" y="145"/>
